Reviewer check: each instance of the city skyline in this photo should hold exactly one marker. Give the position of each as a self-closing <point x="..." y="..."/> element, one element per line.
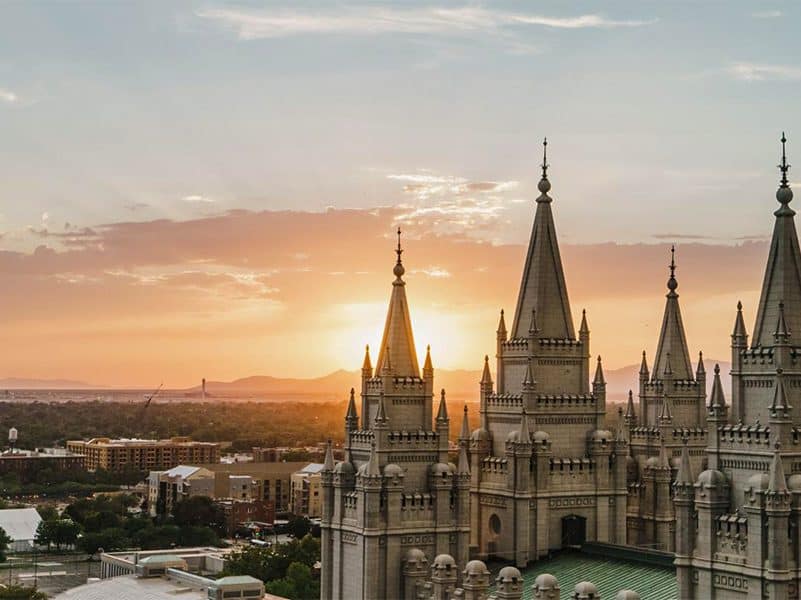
<point x="224" y="181"/>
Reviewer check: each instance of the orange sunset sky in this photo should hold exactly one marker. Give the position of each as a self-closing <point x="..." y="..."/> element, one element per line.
<point x="204" y="189"/>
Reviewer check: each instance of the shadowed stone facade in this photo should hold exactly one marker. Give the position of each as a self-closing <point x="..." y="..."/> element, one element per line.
<point x="738" y="530"/>
<point x="671" y="409"/>
<point x="545" y="472"/>
<point x="396" y="499"/>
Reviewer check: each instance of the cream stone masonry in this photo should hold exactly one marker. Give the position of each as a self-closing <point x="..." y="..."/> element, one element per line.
<point x="545" y="474"/>
<point x="396" y="499"/>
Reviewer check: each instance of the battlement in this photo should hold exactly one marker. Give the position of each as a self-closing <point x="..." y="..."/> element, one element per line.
<point x="505" y="400"/>
<point x="731" y="538"/>
<point x="645" y="433"/>
<point x="375" y="385"/>
<point x="362" y="437"/>
<point x="494" y="464"/>
<point x="658" y="385"/>
<point x="515" y="345"/>
<point x="571" y="465"/>
<point x="424" y="440"/>
<point x="739" y="435"/>
<point x="566" y="400"/>
<point x="691" y="433"/>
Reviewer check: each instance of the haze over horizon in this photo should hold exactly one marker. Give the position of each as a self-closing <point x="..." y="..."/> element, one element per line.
<point x="211" y="190"/>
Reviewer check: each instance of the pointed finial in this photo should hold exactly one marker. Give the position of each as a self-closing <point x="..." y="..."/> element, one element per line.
<point x="367" y="365"/>
<point x="780" y="407"/>
<point x="644" y="365"/>
<point x="630" y="414"/>
<point x="672" y="284"/>
<point x="525" y="436"/>
<point x="784" y="194"/>
<point x="700" y="370"/>
<point x="684" y="477"/>
<point x="501" y="326"/>
<point x="544" y="185"/>
<point x="442" y="413"/>
<point x="381" y="414"/>
<point x="533" y="329"/>
<point x="599" y="374"/>
<point x="486" y="377"/>
<point x="584" y="328"/>
<point x="782" y="333"/>
<point x="372" y="463"/>
<point x="328" y="464"/>
<point x="739" y="334"/>
<point x="428" y="366"/>
<point x="465" y="433"/>
<point x="739" y="306"/>
<point x="528" y="380"/>
<point x="717" y="401"/>
<point x="399" y="270"/>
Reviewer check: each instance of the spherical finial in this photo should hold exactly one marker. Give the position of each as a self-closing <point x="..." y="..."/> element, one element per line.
<point x="398" y="270"/>
<point x="544" y="186"/>
<point x="672" y="284"/>
<point x="784" y="195"/>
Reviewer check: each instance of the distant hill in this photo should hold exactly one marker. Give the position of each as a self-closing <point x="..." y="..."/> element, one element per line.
<point x="458" y="383"/>
<point x="20" y="383"/>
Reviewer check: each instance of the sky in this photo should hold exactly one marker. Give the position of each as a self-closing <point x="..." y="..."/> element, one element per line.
<point x="209" y="189"/>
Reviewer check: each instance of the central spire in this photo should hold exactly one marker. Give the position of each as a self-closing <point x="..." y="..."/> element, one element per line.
<point x="397" y="345"/>
<point x="543" y="286"/>
<point x="782" y="282"/>
<point x="672" y="340"/>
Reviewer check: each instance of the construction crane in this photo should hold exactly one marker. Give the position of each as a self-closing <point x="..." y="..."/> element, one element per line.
<point x="149" y="398"/>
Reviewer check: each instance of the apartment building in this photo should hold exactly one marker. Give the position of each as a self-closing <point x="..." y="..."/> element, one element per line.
<point x="144" y="455"/>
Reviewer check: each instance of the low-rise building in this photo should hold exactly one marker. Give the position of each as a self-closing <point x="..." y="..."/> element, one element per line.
<point x="28" y="463"/>
<point x="143" y="455"/>
<point x="238" y="513"/>
<point x="272" y="481"/>
<point x="166" y="488"/>
<point x="20" y="524"/>
<point x="307" y="491"/>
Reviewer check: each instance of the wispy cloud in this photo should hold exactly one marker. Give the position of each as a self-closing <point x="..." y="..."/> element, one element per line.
<point x="8" y="96"/>
<point x="767" y="14"/>
<point x="748" y="71"/>
<point x="198" y="199"/>
<point x="252" y="24"/>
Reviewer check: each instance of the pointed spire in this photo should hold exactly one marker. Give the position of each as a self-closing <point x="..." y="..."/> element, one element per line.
<point x="442" y="413"/>
<point x="486" y="376"/>
<point x="584" y="328"/>
<point x="427" y="366"/>
<point x="668" y="372"/>
<point x="739" y="334"/>
<point x="685" y="474"/>
<point x="672" y="339"/>
<point x="545" y="158"/>
<point x="630" y="414"/>
<point x="782" y="333"/>
<point x="717" y="401"/>
<point x="533" y="330"/>
<point x="543" y="287"/>
<point x="666" y="414"/>
<point x="465" y="433"/>
<point x="777" y="484"/>
<point x="463" y="468"/>
<point x="502" y="326"/>
<point x="525" y="436"/>
<point x="700" y="370"/>
<point x="528" y="380"/>
<point x="372" y="463"/>
<point x="367" y="366"/>
<point x="779" y="407"/>
<point x="381" y="413"/>
<point x="398" y="356"/>
<point x="664" y="461"/>
<point x="328" y="463"/>
<point x="644" y="365"/>
<point x="351" y="418"/>
<point x="599" y="374"/>
<point x="782" y="281"/>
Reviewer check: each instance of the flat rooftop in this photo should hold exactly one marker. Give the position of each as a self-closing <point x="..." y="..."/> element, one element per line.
<point x="610" y="575"/>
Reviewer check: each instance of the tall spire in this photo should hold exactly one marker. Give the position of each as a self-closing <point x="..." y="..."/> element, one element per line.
<point x="644" y="365"/>
<point x="717" y="400"/>
<point x="672" y="340"/>
<point x="543" y="284"/>
<point x="328" y="464"/>
<point x="442" y="413"/>
<point x="397" y="345"/>
<point x="779" y="407"/>
<point x="782" y="280"/>
<point x="465" y="433"/>
<point x="599" y="374"/>
<point x="630" y="414"/>
<point x="685" y="474"/>
<point x="486" y="377"/>
<point x="739" y="335"/>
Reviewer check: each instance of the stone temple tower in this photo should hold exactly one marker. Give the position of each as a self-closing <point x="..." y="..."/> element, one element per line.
<point x="740" y="520"/>
<point x="671" y="409"/>
<point x="395" y="503"/>
<point x="545" y="474"/>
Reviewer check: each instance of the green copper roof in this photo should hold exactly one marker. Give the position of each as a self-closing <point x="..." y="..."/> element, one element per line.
<point x="609" y="575"/>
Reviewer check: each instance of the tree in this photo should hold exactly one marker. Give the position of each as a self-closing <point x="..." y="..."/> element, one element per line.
<point x="108" y="539"/>
<point x="298" y="526"/>
<point x="48" y="512"/>
<point x="19" y="592"/>
<point x="65" y="533"/>
<point x="44" y="534"/>
<point x="5" y="540"/>
<point x="199" y="511"/>
<point x="298" y="583"/>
